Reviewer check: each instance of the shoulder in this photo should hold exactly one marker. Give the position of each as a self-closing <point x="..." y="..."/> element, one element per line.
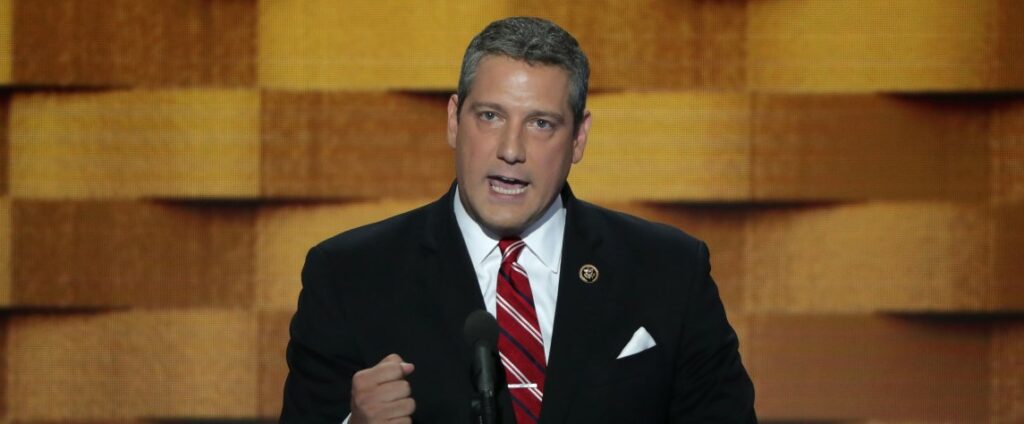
<point x="362" y="262"/>
<point x="638" y="234"/>
<point x="378" y="239"/>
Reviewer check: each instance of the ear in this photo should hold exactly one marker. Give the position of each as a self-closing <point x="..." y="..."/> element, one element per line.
<point x="453" y="119"/>
<point x="580" y="142"/>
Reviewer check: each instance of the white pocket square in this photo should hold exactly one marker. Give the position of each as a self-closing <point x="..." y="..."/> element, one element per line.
<point x="640" y="342"/>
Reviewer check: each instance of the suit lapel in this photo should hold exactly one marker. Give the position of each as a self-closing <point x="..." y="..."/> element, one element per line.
<point x="450" y="285"/>
<point x="584" y="313"/>
<point x="451" y="292"/>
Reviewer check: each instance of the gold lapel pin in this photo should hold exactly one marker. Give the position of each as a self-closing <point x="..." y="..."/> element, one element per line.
<point x="589" y="274"/>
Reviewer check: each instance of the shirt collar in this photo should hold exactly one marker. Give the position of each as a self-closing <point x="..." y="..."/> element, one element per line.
<point x="543" y="238"/>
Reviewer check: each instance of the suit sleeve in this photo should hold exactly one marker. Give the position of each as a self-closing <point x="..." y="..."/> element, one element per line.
<point x="712" y="385"/>
<point x="322" y="354"/>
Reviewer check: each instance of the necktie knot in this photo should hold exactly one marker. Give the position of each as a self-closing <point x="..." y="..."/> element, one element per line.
<point x="511" y="247"/>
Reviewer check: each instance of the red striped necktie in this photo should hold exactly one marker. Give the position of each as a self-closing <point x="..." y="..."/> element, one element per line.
<point x="519" y="344"/>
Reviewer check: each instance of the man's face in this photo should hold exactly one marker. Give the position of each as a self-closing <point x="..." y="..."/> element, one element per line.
<point x="514" y="142"/>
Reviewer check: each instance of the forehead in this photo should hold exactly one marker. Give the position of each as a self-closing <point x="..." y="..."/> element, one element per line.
<point x="502" y="79"/>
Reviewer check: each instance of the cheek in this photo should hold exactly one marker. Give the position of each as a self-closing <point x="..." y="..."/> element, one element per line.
<point x="556" y="161"/>
<point x="469" y="156"/>
<point x="477" y="147"/>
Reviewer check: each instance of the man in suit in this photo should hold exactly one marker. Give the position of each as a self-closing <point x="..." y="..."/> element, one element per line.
<point x="603" y="317"/>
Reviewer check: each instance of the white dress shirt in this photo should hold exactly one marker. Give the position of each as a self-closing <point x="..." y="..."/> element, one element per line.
<point x="541" y="259"/>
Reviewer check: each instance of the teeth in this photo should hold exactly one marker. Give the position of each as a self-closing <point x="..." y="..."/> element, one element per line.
<point x="508" y="191"/>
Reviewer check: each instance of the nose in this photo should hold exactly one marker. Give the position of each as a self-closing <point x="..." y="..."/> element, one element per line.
<point x="512" y="148"/>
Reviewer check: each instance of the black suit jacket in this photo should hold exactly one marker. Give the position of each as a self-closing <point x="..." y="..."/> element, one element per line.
<point x="406" y="285"/>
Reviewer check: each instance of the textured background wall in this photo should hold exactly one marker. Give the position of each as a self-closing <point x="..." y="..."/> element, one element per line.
<point x="856" y="166"/>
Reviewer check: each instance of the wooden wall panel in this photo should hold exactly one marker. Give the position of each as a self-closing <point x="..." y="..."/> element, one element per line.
<point x="1007" y="235"/>
<point x="845" y="258"/>
<point x="1008" y="372"/>
<point x="336" y="144"/>
<point x="654" y="44"/>
<point x="808" y="147"/>
<point x="285" y="233"/>
<point x="124" y="365"/>
<point x="314" y="44"/>
<point x="6" y="44"/>
<point x="666" y="146"/>
<point x="1007" y="141"/>
<point x="273" y="342"/>
<point x="3" y="365"/>
<point x="5" y="103"/>
<point x="1009" y="41"/>
<point x="877" y="45"/>
<point x="101" y="253"/>
<point x="133" y="42"/>
<point x="135" y="143"/>
<point x="673" y="146"/>
<point x="5" y="253"/>
<point x="882" y="256"/>
<point x="857" y="367"/>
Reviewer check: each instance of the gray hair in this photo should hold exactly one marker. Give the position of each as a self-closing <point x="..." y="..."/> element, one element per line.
<point x="533" y="40"/>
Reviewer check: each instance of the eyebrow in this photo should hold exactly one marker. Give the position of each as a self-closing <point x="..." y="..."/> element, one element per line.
<point x="485" y="105"/>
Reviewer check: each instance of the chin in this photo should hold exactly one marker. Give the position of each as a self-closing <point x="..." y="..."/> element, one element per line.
<point x="504" y="227"/>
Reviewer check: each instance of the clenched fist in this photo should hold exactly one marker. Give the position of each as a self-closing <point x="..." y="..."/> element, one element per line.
<point x="381" y="394"/>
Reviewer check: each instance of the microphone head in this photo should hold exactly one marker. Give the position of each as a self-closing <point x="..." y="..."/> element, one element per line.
<point x="481" y="327"/>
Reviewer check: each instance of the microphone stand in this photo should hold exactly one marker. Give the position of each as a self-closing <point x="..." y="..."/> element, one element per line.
<point x="481" y="332"/>
<point x="485" y="407"/>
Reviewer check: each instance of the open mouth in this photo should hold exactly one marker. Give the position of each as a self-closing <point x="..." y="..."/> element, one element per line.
<point x="507" y="185"/>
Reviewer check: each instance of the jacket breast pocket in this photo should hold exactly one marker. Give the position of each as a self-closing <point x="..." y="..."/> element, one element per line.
<point x="630" y="389"/>
<point x="639" y="365"/>
<point x="633" y="367"/>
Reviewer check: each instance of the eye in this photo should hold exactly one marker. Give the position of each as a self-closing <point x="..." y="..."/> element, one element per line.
<point x="543" y="124"/>
<point x="488" y="116"/>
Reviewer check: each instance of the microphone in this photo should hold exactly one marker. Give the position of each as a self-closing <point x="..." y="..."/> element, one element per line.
<point x="481" y="332"/>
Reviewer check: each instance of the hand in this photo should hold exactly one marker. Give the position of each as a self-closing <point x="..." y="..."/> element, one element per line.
<point x="381" y="394"/>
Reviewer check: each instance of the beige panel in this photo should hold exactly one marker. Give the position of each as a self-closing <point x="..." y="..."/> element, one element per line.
<point x="286" y="233"/>
<point x="135" y="143"/>
<point x="1007" y="235"/>
<point x="132" y="254"/>
<point x="125" y="365"/>
<point x="666" y="146"/>
<point x="853" y="367"/>
<point x="1008" y="372"/>
<point x="869" y="147"/>
<point x="911" y="256"/>
<point x="345" y="145"/>
<point x="273" y="341"/>
<point x="870" y="257"/>
<point x="5" y="108"/>
<point x="1007" y="144"/>
<point x="654" y="44"/>
<point x="5" y="252"/>
<point x="367" y="44"/>
<point x="6" y="42"/>
<point x="872" y="45"/>
<point x="135" y="42"/>
<point x="721" y="227"/>
<point x="1010" y="44"/>
<point x="3" y="366"/>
